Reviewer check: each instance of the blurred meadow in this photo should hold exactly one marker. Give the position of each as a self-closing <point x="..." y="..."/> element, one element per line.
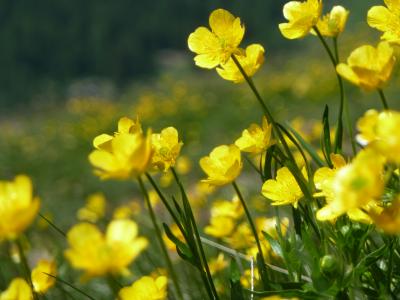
<point x="71" y="69"/>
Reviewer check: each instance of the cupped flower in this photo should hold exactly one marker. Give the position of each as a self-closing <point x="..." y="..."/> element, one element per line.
<point x="387" y="20"/>
<point x="389" y="219"/>
<point x="166" y="147"/>
<point x="146" y="288"/>
<point x="222" y="166"/>
<point x="41" y="281"/>
<point x="368" y="67"/>
<point x="283" y="190"/>
<point x="98" y="254"/>
<point x="380" y="131"/>
<point x="302" y="16"/>
<point x="333" y="23"/>
<point x="18" y="206"/>
<point x="250" y="59"/>
<point x="126" y="154"/>
<point x="352" y="189"/>
<point x="94" y="210"/>
<point x="18" y="289"/>
<point x="256" y="139"/>
<point x="216" y="46"/>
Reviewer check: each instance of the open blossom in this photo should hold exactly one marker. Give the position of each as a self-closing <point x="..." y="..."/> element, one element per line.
<point x="18" y="206"/>
<point x="146" y="288"/>
<point x="353" y="188"/>
<point x="368" y="67"/>
<point x="222" y="166"/>
<point x="166" y="147"/>
<point x="301" y="16"/>
<point x="333" y="23"/>
<point x="250" y="59"/>
<point x="256" y="139"/>
<point x="215" y="47"/>
<point x="124" y="155"/>
<point x="283" y="189"/>
<point x="40" y="280"/>
<point x="387" y="20"/>
<point x="389" y="219"/>
<point x="18" y="289"/>
<point x="98" y="254"/>
<point x="380" y="131"/>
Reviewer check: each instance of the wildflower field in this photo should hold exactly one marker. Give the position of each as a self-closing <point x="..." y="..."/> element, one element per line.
<point x="256" y="175"/>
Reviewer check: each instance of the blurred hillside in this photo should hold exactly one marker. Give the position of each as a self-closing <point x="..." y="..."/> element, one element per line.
<point x="47" y="44"/>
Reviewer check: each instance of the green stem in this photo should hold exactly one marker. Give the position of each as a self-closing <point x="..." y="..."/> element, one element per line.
<point x="383" y="99"/>
<point x="160" y="239"/>
<point x="53" y="225"/>
<point x="250" y="220"/>
<point x="26" y="267"/>
<point x="70" y="285"/>
<point x="197" y="235"/>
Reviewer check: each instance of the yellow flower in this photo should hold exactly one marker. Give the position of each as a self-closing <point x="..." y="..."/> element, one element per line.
<point x="333" y="23"/>
<point x="380" y="131"/>
<point x="40" y="280"/>
<point x="250" y="59"/>
<point x="218" y="264"/>
<point x="222" y="166"/>
<point x="256" y="139"/>
<point x="18" y="207"/>
<point x="284" y="189"/>
<point x="302" y="16"/>
<point x="124" y="155"/>
<point x="99" y="254"/>
<point x="368" y="67"/>
<point x="242" y="237"/>
<point x="220" y="226"/>
<point x="183" y="165"/>
<point x="18" y="289"/>
<point x="146" y="288"/>
<point x="353" y="188"/>
<point x="166" y="147"/>
<point x="386" y="20"/>
<point x="232" y="209"/>
<point x="216" y="46"/>
<point x="389" y="219"/>
<point x="94" y="209"/>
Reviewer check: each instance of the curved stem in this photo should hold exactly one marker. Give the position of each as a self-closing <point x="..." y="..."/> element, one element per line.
<point x="160" y="239"/>
<point x="250" y="220"/>
<point x="24" y="262"/>
<point x="383" y="99"/>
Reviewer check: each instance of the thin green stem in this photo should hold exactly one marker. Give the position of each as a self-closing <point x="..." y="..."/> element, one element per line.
<point x="160" y="239"/>
<point x="70" y="285"/>
<point x="250" y="220"/>
<point x="383" y="99"/>
<point x="53" y="225"/>
<point x="197" y="235"/>
<point x="24" y="262"/>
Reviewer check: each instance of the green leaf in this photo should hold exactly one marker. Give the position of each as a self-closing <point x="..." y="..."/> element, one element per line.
<point x="326" y="137"/>
<point x="276" y="247"/>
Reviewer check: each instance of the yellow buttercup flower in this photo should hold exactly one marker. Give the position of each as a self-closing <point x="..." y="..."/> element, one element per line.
<point x="333" y="23"/>
<point x="256" y="139"/>
<point x="18" y="206"/>
<point x="250" y="59"/>
<point x="222" y="166"/>
<point x="218" y="264"/>
<point x="389" y="219"/>
<point x="302" y="16"/>
<point x="215" y="47"/>
<point x="166" y="147"/>
<point x="146" y="288"/>
<point x="380" y="131"/>
<point x="98" y="254"/>
<point x="124" y="155"/>
<point x="387" y="20"/>
<point x="353" y="188"/>
<point x="94" y="209"/>
<point x="368" y="67"/>
<point x="242" y="237"/>
<point x="220" y="226"/>
<point x="40" y="280"/>
<point x="18" y="289"/>
<point x="284" y="189"/>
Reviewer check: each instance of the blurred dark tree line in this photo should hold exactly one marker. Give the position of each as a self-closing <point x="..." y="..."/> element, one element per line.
<point x="58" y="40"/>
<point x="46" y="41"/>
